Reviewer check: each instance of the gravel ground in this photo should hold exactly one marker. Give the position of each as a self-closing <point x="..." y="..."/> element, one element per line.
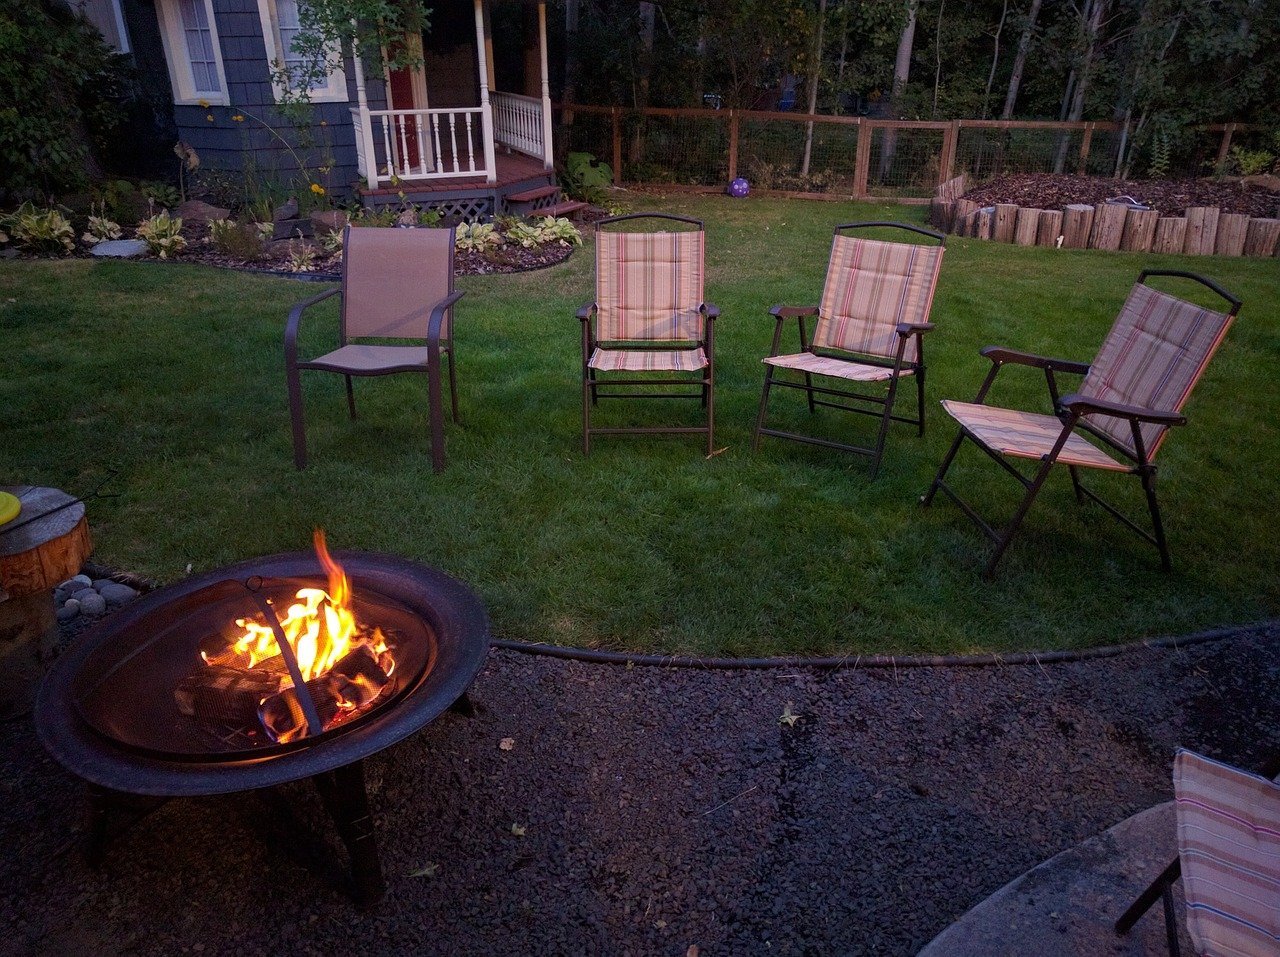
<point x="656" y="810"/>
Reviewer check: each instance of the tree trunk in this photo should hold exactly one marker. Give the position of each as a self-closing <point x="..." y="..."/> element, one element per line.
<point x="901" y="74"/>
<point x="1020" y="60"/>
<point x="1093" y="13"/>
<point x="815" y="72"/>
<point x="570" y="52"/>
<point x="995" y="59"/>
<point x="648" y="16"/>
<point x="937" y="58"/>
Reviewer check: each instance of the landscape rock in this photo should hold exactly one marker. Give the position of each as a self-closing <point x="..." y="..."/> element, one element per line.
<point x="292" y="228"/>
<point x="196" y="211"/>
<point x="284" y="213"/>
<point x="69" y="610"/>
<point x="76" y="582"/>
<point x="117" y="594"/>
<point x="91" y="603"/>
<point x="80" y="594"/>
<point x="120" y="248"/>
<point x="328" y="221"/>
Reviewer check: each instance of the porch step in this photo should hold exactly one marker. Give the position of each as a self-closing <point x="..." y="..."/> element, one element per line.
<point x="568" y="208"/>
<point x="533" y="195"/>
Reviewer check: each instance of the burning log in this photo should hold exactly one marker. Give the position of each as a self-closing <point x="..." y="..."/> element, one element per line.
<point x="348" y="688"/>
<point x="220" y="694"/>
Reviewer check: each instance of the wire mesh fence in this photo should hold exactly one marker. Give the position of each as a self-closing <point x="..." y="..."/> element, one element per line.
<point x="771" y="155"/>
<point x="691" y="150"/>
<point x="904" y="162"/>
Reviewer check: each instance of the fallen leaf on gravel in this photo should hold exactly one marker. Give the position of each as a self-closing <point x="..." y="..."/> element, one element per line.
<point x="506" y="744"/>
<point x="426" y="870"/>
<point x="789" y="718"/>
<point x="692" y="951"/>
<point x="659" y="924"/>
<point x="519" y="829"/>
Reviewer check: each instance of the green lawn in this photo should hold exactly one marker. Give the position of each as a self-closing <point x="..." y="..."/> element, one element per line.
<point x="174" y="375"/>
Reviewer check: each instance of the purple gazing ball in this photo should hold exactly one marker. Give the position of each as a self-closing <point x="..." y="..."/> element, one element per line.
<point x="739" y="187"/>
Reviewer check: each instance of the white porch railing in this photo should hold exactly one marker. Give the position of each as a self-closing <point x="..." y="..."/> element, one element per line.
<point x="420" y="144"/>
<point x="517" y="122"/>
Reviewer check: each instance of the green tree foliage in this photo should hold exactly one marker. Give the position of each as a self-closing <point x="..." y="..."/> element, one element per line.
<point x="61" y="95"/>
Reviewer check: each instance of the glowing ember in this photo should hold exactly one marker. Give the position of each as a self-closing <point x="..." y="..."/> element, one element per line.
<point x="345" y="668"/>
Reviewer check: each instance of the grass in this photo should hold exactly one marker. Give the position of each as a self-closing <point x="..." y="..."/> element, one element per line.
<point x="174" y="375"/>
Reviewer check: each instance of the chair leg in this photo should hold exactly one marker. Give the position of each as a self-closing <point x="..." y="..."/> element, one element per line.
<point x="295" y="417"/>
<point x="351" y="397"/>
<point x="884" y="426"/>
<point x="920" y="400"/>
<point x="764" y="404"/>
<point x="595" y="398"/>
<point x="436" y="403"/>
<point x="1032" y="491"/>
<point x="1149" y="486"/>
<point x="927" y="498"/>
<point x="1075" y="483"/>
<point x="1170" y="922"/>
<point x="453" y="387"/>
<point x="710" y="399"/>
<point x="808" y="382"/>
<point x="588" y="400"/>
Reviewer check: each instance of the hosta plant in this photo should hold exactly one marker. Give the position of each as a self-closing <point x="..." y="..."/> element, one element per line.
<point x="163" y="234"/>
<point x="530" y="237"/>
<point x="44" y="231"/>
<point x="101" y="228"/>
<point x="476" y="237"/>
<point x="559" y="230"/>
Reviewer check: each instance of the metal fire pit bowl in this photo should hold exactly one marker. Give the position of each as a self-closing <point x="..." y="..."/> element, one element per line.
<point x="453" y="621"/>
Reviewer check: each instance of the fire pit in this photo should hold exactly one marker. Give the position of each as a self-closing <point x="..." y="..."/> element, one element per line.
<point x="269" y="671"/>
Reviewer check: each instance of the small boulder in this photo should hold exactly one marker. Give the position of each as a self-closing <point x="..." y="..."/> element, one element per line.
<point x="68" y="610"/>
<point x="76" y="582"/>
<point x="195" y="211"/>
<point x="92" y="604"/>
<point x="120" y="248"/>
<point x="117" y="594"/>
<point x="80" y="594"/>
<point x="286" y="212"/>
<point x="326" y="221"/>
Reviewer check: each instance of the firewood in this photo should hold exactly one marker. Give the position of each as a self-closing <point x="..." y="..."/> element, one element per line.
<point x="986" y="222"/>
<point x="1139" y="230"/>
<point x="1077" y="219"/>
<point x="1108" y="226"/>
<point x="1170" y="231"/>
<point x="1024" y="232"/>
<point x="1049" y="228"/>
<point x="1006" y="218"/>
<point x="1202" y="230"/>
<point x="1262" y="238"/>
<point x="218" y="694"/>
<point x="963" y="216"/>
<point x="1232" y="228"/>
<point x="352" y="685"/>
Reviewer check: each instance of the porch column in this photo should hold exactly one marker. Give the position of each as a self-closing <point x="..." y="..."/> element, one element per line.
<point x="547" y="153"/>
<point x="486" y="111"/>
<point x="364" y="122"/>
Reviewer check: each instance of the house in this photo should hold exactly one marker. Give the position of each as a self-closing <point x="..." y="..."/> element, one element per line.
<point x="464" y="132"/>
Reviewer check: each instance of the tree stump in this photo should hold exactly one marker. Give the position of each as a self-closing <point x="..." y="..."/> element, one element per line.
<point x="34" y="558"/>
<point x="1077" y="219"/>
<point x="1262" y="237"/>
<point x="1024" y="231"/>
<point x="1232" y="228"/>
<point x="986" y="222"/>
<point x="1202" y="230"/>
<point x="1049" y="228"/>
<point x="1108" y="226"/>
<point x="1139" y="230"/>
<point x="1170" y="231"/>
<point x="1006" y="218"/>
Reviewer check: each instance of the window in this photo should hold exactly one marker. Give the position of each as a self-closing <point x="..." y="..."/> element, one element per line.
<point x="191" y="46"/>
<point x="280" y="25"/>
<point x="107" y="16"/>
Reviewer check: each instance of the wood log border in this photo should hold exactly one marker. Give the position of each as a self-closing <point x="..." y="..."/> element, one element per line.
<point x="1203" y="230"/>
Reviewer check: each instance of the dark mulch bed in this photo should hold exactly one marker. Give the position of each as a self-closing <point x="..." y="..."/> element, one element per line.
<point x="1170" y="196"/>
<point x="661" y="809"/>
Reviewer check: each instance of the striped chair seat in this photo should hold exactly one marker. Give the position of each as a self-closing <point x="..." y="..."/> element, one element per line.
<point x="1027" y="435"/>
<point x="648" y="360"/>
<point x="839" y="368"/>
<point x="1229" y="845"/>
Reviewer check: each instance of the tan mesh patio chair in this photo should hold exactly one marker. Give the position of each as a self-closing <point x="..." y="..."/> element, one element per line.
<point x="870" y="328"/>
<point x="648" y="317"/>
<point x="397" y="284"/>
<point x="1131" y="394"/>
<point x="1228" y="860"/>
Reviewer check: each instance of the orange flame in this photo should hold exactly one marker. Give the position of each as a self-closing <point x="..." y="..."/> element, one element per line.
<point x="320" y="626"/>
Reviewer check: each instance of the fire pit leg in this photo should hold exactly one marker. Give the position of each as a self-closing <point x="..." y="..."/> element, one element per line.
<point x="344" y="795"/>
<point x="97" y="807"/>
<point x="464" y="706"/>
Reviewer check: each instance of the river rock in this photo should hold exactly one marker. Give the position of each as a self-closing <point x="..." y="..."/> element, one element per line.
<point x="68" y="610"/>
<point x="91" y="603"/>
<point x="116" y="594"/>
<point x="120" y="248"/>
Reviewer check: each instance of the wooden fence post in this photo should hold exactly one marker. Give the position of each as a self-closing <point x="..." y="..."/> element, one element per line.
<point x="1225" y="146"/>
<point x="617" y="147"/>
<point x="862" y="160"/>
<point x="733" y="145"/>
<point x="946" y="164"/>
<point x="1086" y="142"/>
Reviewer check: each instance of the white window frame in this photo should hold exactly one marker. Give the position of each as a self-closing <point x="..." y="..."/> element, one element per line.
<point x="333" y="91"/>
<point x="175" y="54"/>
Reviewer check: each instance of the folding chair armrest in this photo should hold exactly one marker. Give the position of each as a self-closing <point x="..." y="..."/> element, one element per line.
<point x="585" y="310"/>
<point x="295" y="321"/>
<point x="710" y="310"/>
<point x="1081" y="405"/>
<point x="437" y="315"/>
<point x="1000" y="355"/>
<point x="782" y="313"/>
<point x="787" y="312"/>
<point x="913" y="328"/>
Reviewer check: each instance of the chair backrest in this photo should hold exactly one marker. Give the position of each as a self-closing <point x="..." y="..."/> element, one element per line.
<point x="873" y="285"/>
<point x="391" y="278"/>
<point x="649" y="286"/>
<point x="1152" y="358"/>
<point x="1229" y="845"/>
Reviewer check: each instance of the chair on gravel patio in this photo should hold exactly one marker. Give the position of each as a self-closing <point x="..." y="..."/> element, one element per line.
<point x="1228" y="859"/>
<point x="648" y="317"/>
<point x="870" y="328"/>
<point x="396" y="284"/>
<point x="1132" y="393"/>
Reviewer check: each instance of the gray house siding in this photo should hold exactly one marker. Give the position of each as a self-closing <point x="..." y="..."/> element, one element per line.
<point x="250" y="152"/>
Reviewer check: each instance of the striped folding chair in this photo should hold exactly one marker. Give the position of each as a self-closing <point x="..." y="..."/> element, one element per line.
<point x="648" y="318"/>
<point x="870" y="329"/>
<point x="1228" y="859"/>
<point x="1132" y="393"/>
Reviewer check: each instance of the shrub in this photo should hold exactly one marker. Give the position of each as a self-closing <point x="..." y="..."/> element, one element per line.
<point x="238" y="240"/>
<point x="163" y="234"/>
<point x="1248" y="162"/>
<point x="122" y="201"/>
<point x="162" y="194"/>
<point x="44" y="231"/>
<point x="477" y="237"/>
<point x="586" y="178"/>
